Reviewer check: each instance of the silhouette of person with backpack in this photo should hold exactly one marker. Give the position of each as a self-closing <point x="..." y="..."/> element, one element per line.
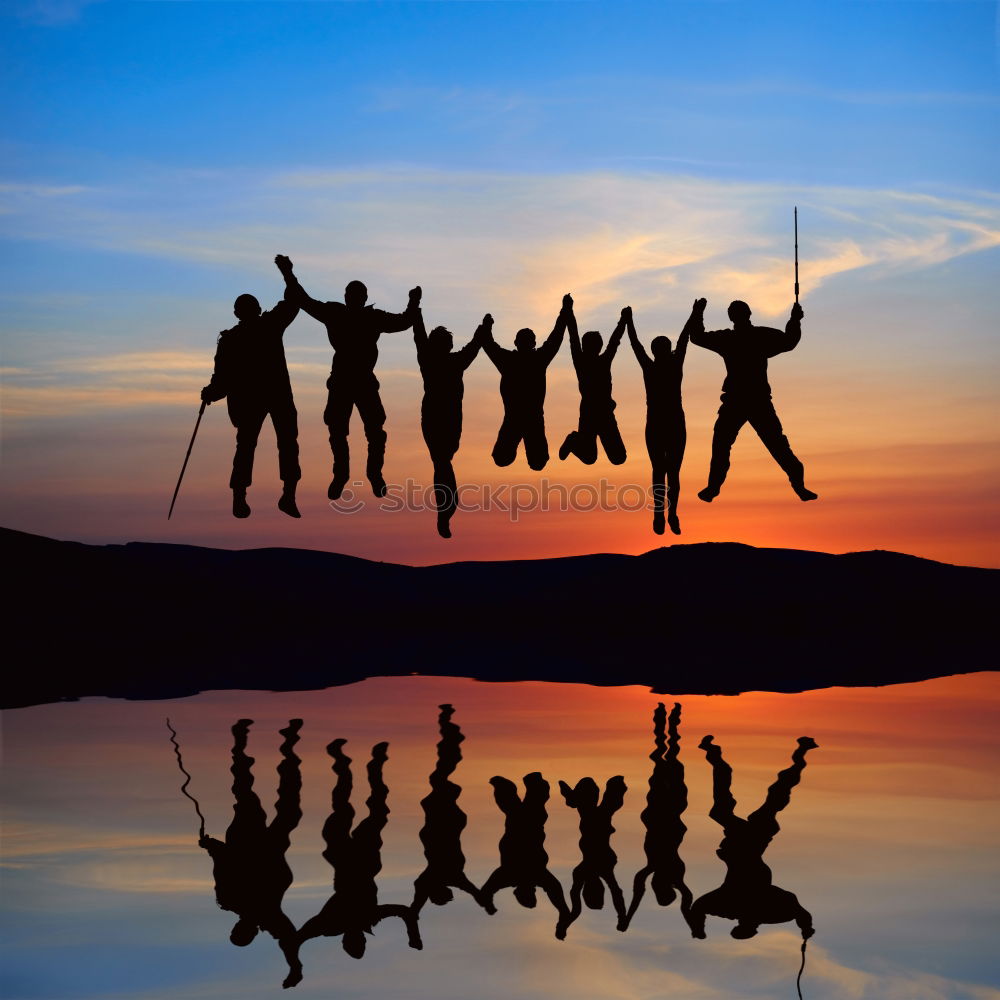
<point x="251" y="873"/>
<point x="598" y="859"/>
<point x="522" y="389"/>
<point x="747" y="894"/>
<point x="252" y="376"/>
<point x="356" y="858"/>
<point x="665" y="804"/>
<point x="443" y="370"/>
<point x="524" y="864"/>
<point x="597" y="408"/>
<point x="666" y="432"/>
<point x="353" y="329"/>
<point x="746" y="394"/>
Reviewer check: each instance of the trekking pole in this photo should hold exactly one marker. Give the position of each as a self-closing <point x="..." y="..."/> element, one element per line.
<point x="796" y="254"/>
<point x="197" y="424"/>
<point x="187" y="777"/>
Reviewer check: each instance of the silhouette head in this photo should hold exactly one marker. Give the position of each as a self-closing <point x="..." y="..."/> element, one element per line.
<point x="660" y="347"/>
<point x="355" y="295"/>
<point x="354" y="942"/>
<point x="739" y="313"/>
<point x="246" y="307"/>
<point x="526" y="896"/>
<point x="243" y="932"/>
<point x="440" y="340"/>
<point x="743" y="930"/>
<point x="664" y="892"/>
<point x="524" y="340"/>
<point x="592" y="342"/>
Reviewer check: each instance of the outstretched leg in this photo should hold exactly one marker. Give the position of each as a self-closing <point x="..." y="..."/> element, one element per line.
<point x="508" y="438"/>
<point x="655" y="450"/>
<point x="373" y="416"/>
<point x="337" y="417"/>
<point x="675" y="456"/>
<point x="764" y="420"/>
<point x="727" y="425"/>
<point x="780" y="793"/>
<point x="286" y="430"/>
<point x="723" y="809"/>
<point x="249" y="818"/>
<point x="337" y="828"/>
<point x="288" y="809"/>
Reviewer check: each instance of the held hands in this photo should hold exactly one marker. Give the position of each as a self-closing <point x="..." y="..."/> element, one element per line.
<point x="284" y="263"/>
<point x="567" y="303"/>
<point x="415" y="294"/>
<point x="487" y="323"/>
<point x="627" y="315"/>
<point x="699" y="305"/>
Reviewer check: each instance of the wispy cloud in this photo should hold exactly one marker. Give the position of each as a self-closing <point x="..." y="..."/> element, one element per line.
<point x="480" y="240"/>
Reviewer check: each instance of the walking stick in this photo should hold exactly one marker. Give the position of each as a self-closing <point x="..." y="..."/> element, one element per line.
<point x="186" y="457"/>
<point x="796" y="254"/>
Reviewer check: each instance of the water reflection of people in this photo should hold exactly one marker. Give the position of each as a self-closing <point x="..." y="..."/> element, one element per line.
<point x="356" y="858"/>
<point x="597" y="865"/>
<point x="251" y="873"/>
<point x="747" y="894"/>
<point x="524" y="865"/>
<point x="444" y="822"/>
<point x="665" y="804"/>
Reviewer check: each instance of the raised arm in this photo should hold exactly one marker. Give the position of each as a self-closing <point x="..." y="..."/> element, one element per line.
<point x="419" y="332"/>
<point x="394" y="322"/>
<point x="633" y="338"/>
<point x="781" y="341"/>
<point x="616" y="338"/>
<point x="554" y="340"/>
<point x="493" y="350"/>
<point x="296" y="294"/>
<point x="694" y="325"/>
<point x="466" y="355"/>
<point x="575" y="348"/>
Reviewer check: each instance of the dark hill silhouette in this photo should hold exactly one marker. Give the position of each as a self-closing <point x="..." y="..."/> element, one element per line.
<point x="161" y="621"/>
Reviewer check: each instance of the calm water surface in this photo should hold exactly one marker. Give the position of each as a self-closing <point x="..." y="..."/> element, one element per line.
<point x="889" y="841"/>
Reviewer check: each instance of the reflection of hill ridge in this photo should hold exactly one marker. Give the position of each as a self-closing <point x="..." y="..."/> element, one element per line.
<point x="170" y="620"/>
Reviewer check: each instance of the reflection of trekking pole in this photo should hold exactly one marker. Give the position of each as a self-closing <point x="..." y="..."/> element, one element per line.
<point x="180" y="764"/>
<point x="197" y="423"/>
<point x="802" y="968"/>
<point x="796" y="255"/>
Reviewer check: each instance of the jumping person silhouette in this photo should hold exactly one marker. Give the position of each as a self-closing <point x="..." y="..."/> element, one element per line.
<point x="666" y="432"/>
<point x="441" y="408"/>
<point x="524" y="865"/>
<point x="444" y="821"/>
<point x="597" y="408"/>
<point x="598" y="859"/>
<point x="353" y="329"/>
<point x="252" y="375"/>
<point x="251" y="873"/>
<point x="356" y="858"/>
<point x="747" y="894"/>
<point x="665" y="804"/>
<point x="522" y="389"/>
<point x="746" y="395"/>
